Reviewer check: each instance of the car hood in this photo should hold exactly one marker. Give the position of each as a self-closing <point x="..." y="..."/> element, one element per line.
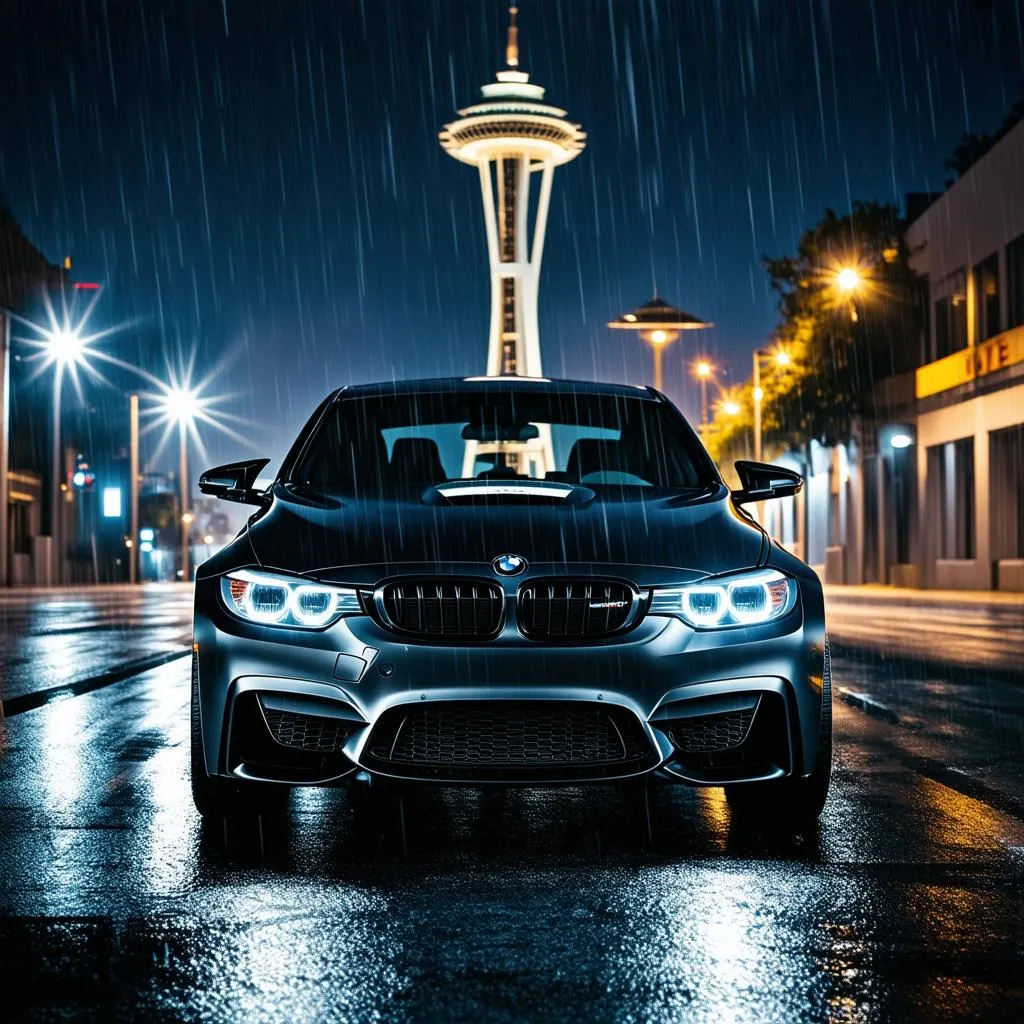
<point x="362" y="541"/>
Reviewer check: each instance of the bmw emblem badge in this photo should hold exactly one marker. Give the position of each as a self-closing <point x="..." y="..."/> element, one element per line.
<point x="509" y="565"/>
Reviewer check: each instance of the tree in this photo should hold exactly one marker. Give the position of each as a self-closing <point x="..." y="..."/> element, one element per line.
<point x="971" y="148"/>
<point x="841" y="340"/>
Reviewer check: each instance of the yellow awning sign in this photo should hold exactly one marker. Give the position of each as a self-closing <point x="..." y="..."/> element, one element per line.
<point x="970" y="363"/>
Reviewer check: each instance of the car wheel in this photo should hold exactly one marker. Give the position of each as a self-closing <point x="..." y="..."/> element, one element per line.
<point x="223" y="798"/>
<point x="792" y="802"/>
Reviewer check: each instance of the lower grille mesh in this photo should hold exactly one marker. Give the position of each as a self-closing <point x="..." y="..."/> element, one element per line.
<point x="708" y="733"/>
<point x="510" y="734"/>
<point x="307" y="732"/>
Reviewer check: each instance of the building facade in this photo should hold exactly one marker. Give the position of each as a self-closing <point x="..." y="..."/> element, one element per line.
<point x="930" y="492"/>
<point x="969" y="390"/>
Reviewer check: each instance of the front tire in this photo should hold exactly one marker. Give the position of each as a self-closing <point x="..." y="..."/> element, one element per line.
<point x="793" y="802"/>
<point x="223" y="798"/>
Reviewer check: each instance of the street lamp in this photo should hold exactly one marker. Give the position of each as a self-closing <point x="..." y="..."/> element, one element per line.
<point x="64" y="349"/>
<point x="181" y="405"/>
<point x="659" y="324"/>
<point x="848" y="279"/>
<point x="63" y="344"/>
<point x="729" y="402"/>
<point x="778" y="357"/>
<point x="703" y="371"/>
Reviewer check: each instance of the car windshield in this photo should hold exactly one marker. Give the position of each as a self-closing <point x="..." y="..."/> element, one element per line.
<point x="367" y="446"/>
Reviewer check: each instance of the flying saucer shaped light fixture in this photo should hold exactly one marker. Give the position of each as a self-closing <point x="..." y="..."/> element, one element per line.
<point x="659" y="324"/>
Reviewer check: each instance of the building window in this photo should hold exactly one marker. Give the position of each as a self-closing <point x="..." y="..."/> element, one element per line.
<point x="1015" y="281"/>
<point x="986" y="306"/>
<point x="903" y="500"/>
<point x="951" y="465"/>
<point x="951" y="317"/>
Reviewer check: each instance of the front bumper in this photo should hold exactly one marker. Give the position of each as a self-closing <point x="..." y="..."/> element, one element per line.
<point x="680" y="687"/>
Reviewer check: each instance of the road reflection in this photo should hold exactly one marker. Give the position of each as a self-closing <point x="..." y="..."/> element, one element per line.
<point x="560" y="904"/>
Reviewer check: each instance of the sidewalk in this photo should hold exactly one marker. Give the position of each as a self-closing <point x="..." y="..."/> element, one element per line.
<point x="877" y="594"/>
<point x="916" y="630"/>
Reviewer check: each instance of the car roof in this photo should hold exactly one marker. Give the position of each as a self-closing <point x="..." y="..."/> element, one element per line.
<point x="503" y="385"/>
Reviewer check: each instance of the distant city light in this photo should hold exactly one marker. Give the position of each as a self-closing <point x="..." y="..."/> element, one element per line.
<point x="78" y="479"/>
<point x="146" y="546"/>
<point x="702" y="369"/>
<point x="901" y="440"/>
<point x="730" y="408"/>
<point x="208" y="539"/>
<point x="758" y="394"/>
<point x="111" y="502"/>
<point x="659" y="337"/>
<point x="146" y="534"/>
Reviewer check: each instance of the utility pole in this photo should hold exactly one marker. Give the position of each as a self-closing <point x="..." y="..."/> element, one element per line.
<point x="186" y="515"/>
<point x="133" y="487"/>
<point x="56" y="472"/>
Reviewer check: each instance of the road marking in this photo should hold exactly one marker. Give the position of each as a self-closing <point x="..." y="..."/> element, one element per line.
<point x="30" y="701"/>
<point x="867" y="703"/>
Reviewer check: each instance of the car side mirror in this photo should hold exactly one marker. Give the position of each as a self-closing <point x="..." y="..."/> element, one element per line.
<point x="762" y="481"/>
<point x="236" y="482"/>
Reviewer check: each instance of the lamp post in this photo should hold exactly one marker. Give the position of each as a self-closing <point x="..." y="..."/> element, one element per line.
<point x="180" y="405"/>
<point x="780" y="358"/>
<point x="66" y="349"/>
<point x="703" y="370"/>
<point x="659" y="324"/>
<point x="849" y="281"/>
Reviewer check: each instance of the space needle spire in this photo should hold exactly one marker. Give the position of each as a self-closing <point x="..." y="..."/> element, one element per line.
<point x="512" y="46"/>
<point x="513" y="138"/>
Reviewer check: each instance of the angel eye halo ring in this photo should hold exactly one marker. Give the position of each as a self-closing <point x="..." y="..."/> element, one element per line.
<point x="272" y="600"/>
<point x="742" y="599"/>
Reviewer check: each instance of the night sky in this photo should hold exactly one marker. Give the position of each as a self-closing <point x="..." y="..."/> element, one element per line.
<point x="262" y="181"/>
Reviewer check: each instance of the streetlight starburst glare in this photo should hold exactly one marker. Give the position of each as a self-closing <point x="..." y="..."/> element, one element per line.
<point x="848" y="279"/>
<point x="178" y="402"/>
<point x="62" y="341"/>
<point x="181" y="404"/>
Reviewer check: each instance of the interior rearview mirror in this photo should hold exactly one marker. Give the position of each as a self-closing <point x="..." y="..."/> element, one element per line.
<point x="236" y="482"/>
<point x="762" y="482"/>
<point x="491" y="432"/>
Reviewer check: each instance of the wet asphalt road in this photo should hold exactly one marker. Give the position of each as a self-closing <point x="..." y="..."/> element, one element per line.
<point x="116" y="902"/>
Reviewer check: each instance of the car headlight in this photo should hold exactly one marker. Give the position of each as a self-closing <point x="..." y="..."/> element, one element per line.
<point x="745" y="599"/>
<point x="285" y="601"/>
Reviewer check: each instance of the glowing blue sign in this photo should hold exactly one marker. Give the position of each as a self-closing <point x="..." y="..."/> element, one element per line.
<point x="111" y="502"/>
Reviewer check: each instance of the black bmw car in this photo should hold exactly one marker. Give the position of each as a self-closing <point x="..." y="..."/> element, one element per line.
<point x="500" y="581"/>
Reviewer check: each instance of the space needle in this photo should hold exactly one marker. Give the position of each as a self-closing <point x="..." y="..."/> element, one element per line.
<point x="512" y="136"/>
